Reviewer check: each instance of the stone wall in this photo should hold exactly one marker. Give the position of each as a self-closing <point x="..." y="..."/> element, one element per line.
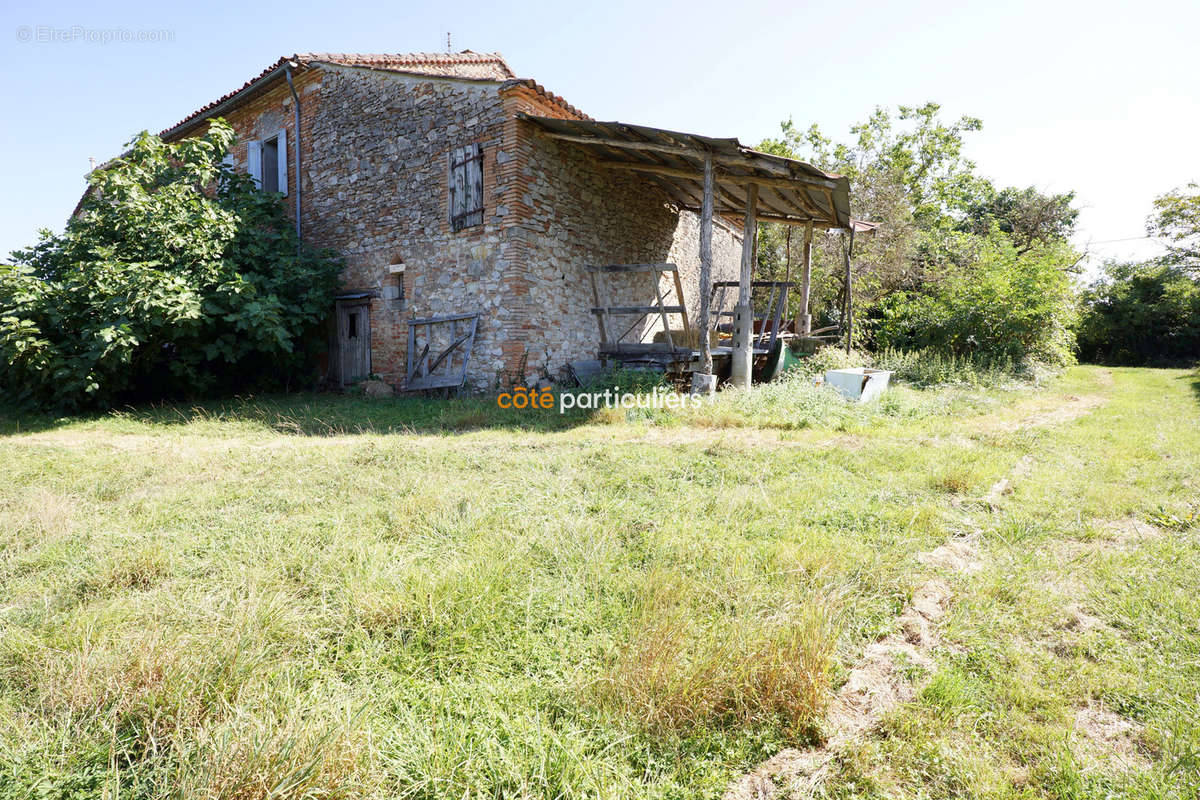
<point x="572" y="213"/>
<point x="375" y="162"/>
<point x="380" y="197"/>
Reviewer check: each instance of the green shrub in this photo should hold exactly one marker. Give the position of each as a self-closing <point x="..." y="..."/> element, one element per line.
<point x="1002" y="303"/>
<point x="833" y="357"/>
<point x="1141" y="314"/>
<point x="176" y="277"/>
<point x="925" y="368"/>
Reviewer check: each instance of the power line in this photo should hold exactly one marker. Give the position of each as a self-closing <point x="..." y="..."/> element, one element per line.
<point x="1126" y="239"/>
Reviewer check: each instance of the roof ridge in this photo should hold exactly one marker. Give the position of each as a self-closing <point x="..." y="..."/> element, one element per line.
<point x="376" y="59"/>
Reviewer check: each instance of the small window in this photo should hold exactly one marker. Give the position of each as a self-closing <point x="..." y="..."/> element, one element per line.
<point x="267" y="162"/>
<point x="270" y="160"/>
<point x="466" y="186"/>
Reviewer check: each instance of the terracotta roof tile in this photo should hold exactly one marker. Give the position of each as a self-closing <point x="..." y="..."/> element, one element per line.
<point x="542" y="91"/>
<point x="467" y="65"/>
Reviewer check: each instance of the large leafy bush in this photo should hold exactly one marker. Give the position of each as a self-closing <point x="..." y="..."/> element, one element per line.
<point x="177" y="276"/>
<point x="1002" y="304"/>
<point x="960" y="268"/>
<point x="1142" y="314"/>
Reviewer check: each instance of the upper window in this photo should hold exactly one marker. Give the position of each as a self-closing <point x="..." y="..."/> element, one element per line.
<point x="268" y="162"/>
<point x="466" y="186"/>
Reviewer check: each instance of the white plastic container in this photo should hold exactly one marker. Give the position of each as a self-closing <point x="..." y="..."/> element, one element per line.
<point x="859" y="384"/>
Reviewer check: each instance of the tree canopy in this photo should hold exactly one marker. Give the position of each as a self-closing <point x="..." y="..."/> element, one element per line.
<point x="177" y="276"/>
<point x="1176" y="220"/>
<point x="957" y="263"/>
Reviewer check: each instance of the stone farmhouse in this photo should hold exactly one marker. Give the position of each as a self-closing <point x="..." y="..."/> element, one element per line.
<point x="488" y="223"/>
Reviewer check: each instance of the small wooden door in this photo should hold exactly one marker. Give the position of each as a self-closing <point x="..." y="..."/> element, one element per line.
<point x="352" y="356"/>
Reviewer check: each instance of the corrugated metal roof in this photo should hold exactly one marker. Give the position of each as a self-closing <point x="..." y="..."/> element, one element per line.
<point x="788" y="190"/>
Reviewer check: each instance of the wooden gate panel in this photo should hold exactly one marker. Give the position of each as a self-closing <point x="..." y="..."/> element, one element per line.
<point x="438" y="351"/>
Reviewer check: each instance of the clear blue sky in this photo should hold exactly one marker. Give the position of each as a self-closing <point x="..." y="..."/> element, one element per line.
<point x="1099" y="97"/>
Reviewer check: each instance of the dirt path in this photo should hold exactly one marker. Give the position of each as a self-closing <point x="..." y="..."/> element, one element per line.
<point x="878" y="684"/>
<point x="1039" y="414"/>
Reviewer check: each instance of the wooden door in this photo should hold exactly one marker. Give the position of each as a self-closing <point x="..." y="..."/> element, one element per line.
<point x="353" y="353"/>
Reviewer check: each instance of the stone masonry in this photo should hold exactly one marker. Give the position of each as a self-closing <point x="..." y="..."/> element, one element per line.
<point x="374" y="150"/>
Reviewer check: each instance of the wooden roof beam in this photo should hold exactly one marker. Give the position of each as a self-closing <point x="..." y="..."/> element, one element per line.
<point x="780" y="171"/>
<point x="778" y="206"/>
<point x="724" y="179"/>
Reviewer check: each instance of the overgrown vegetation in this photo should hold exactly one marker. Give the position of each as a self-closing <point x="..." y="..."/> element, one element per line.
<point x="1149" y="312"/>
<point x="317" y="596"/>
<point x="176" y="277"/>
<point x="1142" y="314"/>
<point x="959" y="266"/>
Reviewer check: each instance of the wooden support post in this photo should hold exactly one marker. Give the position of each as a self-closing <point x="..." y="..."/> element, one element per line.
<point x="704" y="382"/>
<point x="849" y="295"/>
<point x="743" y="314"/>
<point x="804" y="323"/>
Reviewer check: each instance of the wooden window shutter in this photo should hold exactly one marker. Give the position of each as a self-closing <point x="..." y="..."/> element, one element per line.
<point x="475" y="179"/>
<point x="466" y="186"/>
<point x="456" y="175"/>
<point x="254" y="161"/>
<point x="282" y="162"/>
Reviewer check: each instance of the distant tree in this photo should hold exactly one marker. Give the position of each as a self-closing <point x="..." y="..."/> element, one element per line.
<point x="1000" y="303"/>
<point x="1141" y="314"/>
<point x="906" y="170"/>
<point x="1176" y="219"/>
<point x="948" y="239"/>
<point x="177" y="277"/>
<point x="1027" y="216"/>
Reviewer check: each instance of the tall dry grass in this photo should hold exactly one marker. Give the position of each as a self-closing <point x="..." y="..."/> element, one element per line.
<point x="686" y="667"/>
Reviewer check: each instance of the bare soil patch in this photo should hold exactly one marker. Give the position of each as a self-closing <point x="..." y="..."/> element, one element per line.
<point x="880" y="682"/>
<point x="1040" y="413"/>
<point x="1109" y="740"/>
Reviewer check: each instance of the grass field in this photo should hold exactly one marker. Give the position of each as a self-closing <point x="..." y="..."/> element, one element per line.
<point x="327" y="597"/>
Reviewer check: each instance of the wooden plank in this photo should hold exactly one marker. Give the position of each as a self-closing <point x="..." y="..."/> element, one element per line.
<point x="662" y="308"/>
<point x="724" y="179"/>
<point x="469" y="348"/>
<point x="816" y="222"/>
<point x="642" y="348"/>
<point x="749" y="237"/>
<point x="805" y="326"/>
<point x="410" y="354"/>
<point x="632" y="268"/>
<point x="443" y="318"/>
<point x="422" y="373"/>
<point x="849" y="296"/>
<point x="706" y="234"/>
<point x="637" y="309"/>
<point x="596" y="300"/>
<point x="425" y="352"/>
<point x="740" y="366"/>
<point x="765" y="163"/>
<point x="832" y="205"/>
<point x="687" y="326"/>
